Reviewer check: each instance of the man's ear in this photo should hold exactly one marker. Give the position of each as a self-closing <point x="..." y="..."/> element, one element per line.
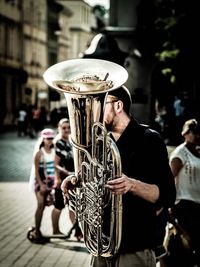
<point x="120" y="105"/>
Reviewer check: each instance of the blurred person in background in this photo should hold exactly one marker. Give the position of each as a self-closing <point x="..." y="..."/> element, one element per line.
<point x="35" y="120"/>
<point x="185" y="166"/>
<point x="179" y="119"/>
<point x="43" y="117"/>
<point x="42" y="180"/>
<point x="64" y="164"/>
<point x="162" y="120"/>
<point x="22" y="121"/>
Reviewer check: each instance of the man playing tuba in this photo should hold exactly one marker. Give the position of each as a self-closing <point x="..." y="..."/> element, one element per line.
<point x="146" y="183"/>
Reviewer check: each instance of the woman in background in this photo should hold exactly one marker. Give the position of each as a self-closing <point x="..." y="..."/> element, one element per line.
<point x="185" y="165"/>
<point x="64" y="163"/>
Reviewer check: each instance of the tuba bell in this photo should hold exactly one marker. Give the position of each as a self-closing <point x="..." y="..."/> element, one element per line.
<point x="85" y="84"/>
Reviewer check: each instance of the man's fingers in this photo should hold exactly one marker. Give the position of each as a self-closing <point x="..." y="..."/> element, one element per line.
<point x="65" y="184"/>
<point x="68" y="184"/>
<point x="115" y="186"/>
<point x="115" y="181"/>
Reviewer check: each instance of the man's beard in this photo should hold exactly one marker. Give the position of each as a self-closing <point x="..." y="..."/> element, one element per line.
<point x="109" y="126"/>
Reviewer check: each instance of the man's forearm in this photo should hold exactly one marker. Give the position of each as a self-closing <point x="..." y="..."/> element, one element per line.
<point x="149" y="192"/>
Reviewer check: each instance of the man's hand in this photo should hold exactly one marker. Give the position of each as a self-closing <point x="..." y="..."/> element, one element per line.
<point x="69" y="183"/>
<point x="120" y="185"/>
<point x="124" y="184"/>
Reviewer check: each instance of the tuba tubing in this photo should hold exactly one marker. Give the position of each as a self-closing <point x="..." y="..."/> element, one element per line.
<point x="96" y="156"/>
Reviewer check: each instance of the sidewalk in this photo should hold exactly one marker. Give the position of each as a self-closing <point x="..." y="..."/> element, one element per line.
<point x="17" y="212"/>
<point x="17" y="208"/>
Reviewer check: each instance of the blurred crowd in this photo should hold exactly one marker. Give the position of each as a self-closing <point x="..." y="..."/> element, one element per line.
<point x="32" y="119"/>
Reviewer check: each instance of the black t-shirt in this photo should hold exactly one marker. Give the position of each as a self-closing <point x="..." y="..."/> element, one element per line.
<point x="144" y="157"/>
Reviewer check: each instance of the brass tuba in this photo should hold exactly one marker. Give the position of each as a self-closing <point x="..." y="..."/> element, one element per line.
<point x="85" y="83"/>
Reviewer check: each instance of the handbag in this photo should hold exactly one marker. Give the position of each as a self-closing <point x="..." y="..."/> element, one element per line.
<point x="177" y="244"/>
<point x="175" y="231"/>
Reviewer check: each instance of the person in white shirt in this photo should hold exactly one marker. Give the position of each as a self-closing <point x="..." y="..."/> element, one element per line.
<point x="185" y="166"/>
<point x="22" y="122"/>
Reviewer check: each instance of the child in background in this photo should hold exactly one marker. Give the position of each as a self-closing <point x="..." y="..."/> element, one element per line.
<point x="44" y="176"/>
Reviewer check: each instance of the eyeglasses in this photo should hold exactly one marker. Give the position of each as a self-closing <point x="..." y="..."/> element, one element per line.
<point x="112" y="101"/>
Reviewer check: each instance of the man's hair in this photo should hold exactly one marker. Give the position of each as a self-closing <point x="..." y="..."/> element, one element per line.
<point x="123" y="94"/>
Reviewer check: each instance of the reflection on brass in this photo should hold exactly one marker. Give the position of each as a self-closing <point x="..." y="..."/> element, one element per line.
<point x="84" y="83"/>
<point x="87" y="78"/>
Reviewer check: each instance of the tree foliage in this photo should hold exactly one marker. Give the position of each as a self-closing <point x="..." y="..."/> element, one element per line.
<point x="100" y="12"/>
<point x="169" y="28"/>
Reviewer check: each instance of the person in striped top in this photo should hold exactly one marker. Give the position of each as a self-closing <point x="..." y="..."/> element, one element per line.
<point x="44" y="179"/>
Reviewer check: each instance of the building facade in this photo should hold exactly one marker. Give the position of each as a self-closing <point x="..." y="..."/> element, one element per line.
<point x="33" y="36"/>
<point x="35" y="61"/>
<point x="12" y="73"/>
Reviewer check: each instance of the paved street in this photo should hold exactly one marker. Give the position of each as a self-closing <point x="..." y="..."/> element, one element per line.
<point x="17" y="214"/>
<point x="16" y="157"/>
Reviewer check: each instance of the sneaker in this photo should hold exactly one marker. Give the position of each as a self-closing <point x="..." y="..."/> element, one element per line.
<point x="41" y="240"/>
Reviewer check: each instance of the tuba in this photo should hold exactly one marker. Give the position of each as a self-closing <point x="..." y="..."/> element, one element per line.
<point x="85" y="83"/>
